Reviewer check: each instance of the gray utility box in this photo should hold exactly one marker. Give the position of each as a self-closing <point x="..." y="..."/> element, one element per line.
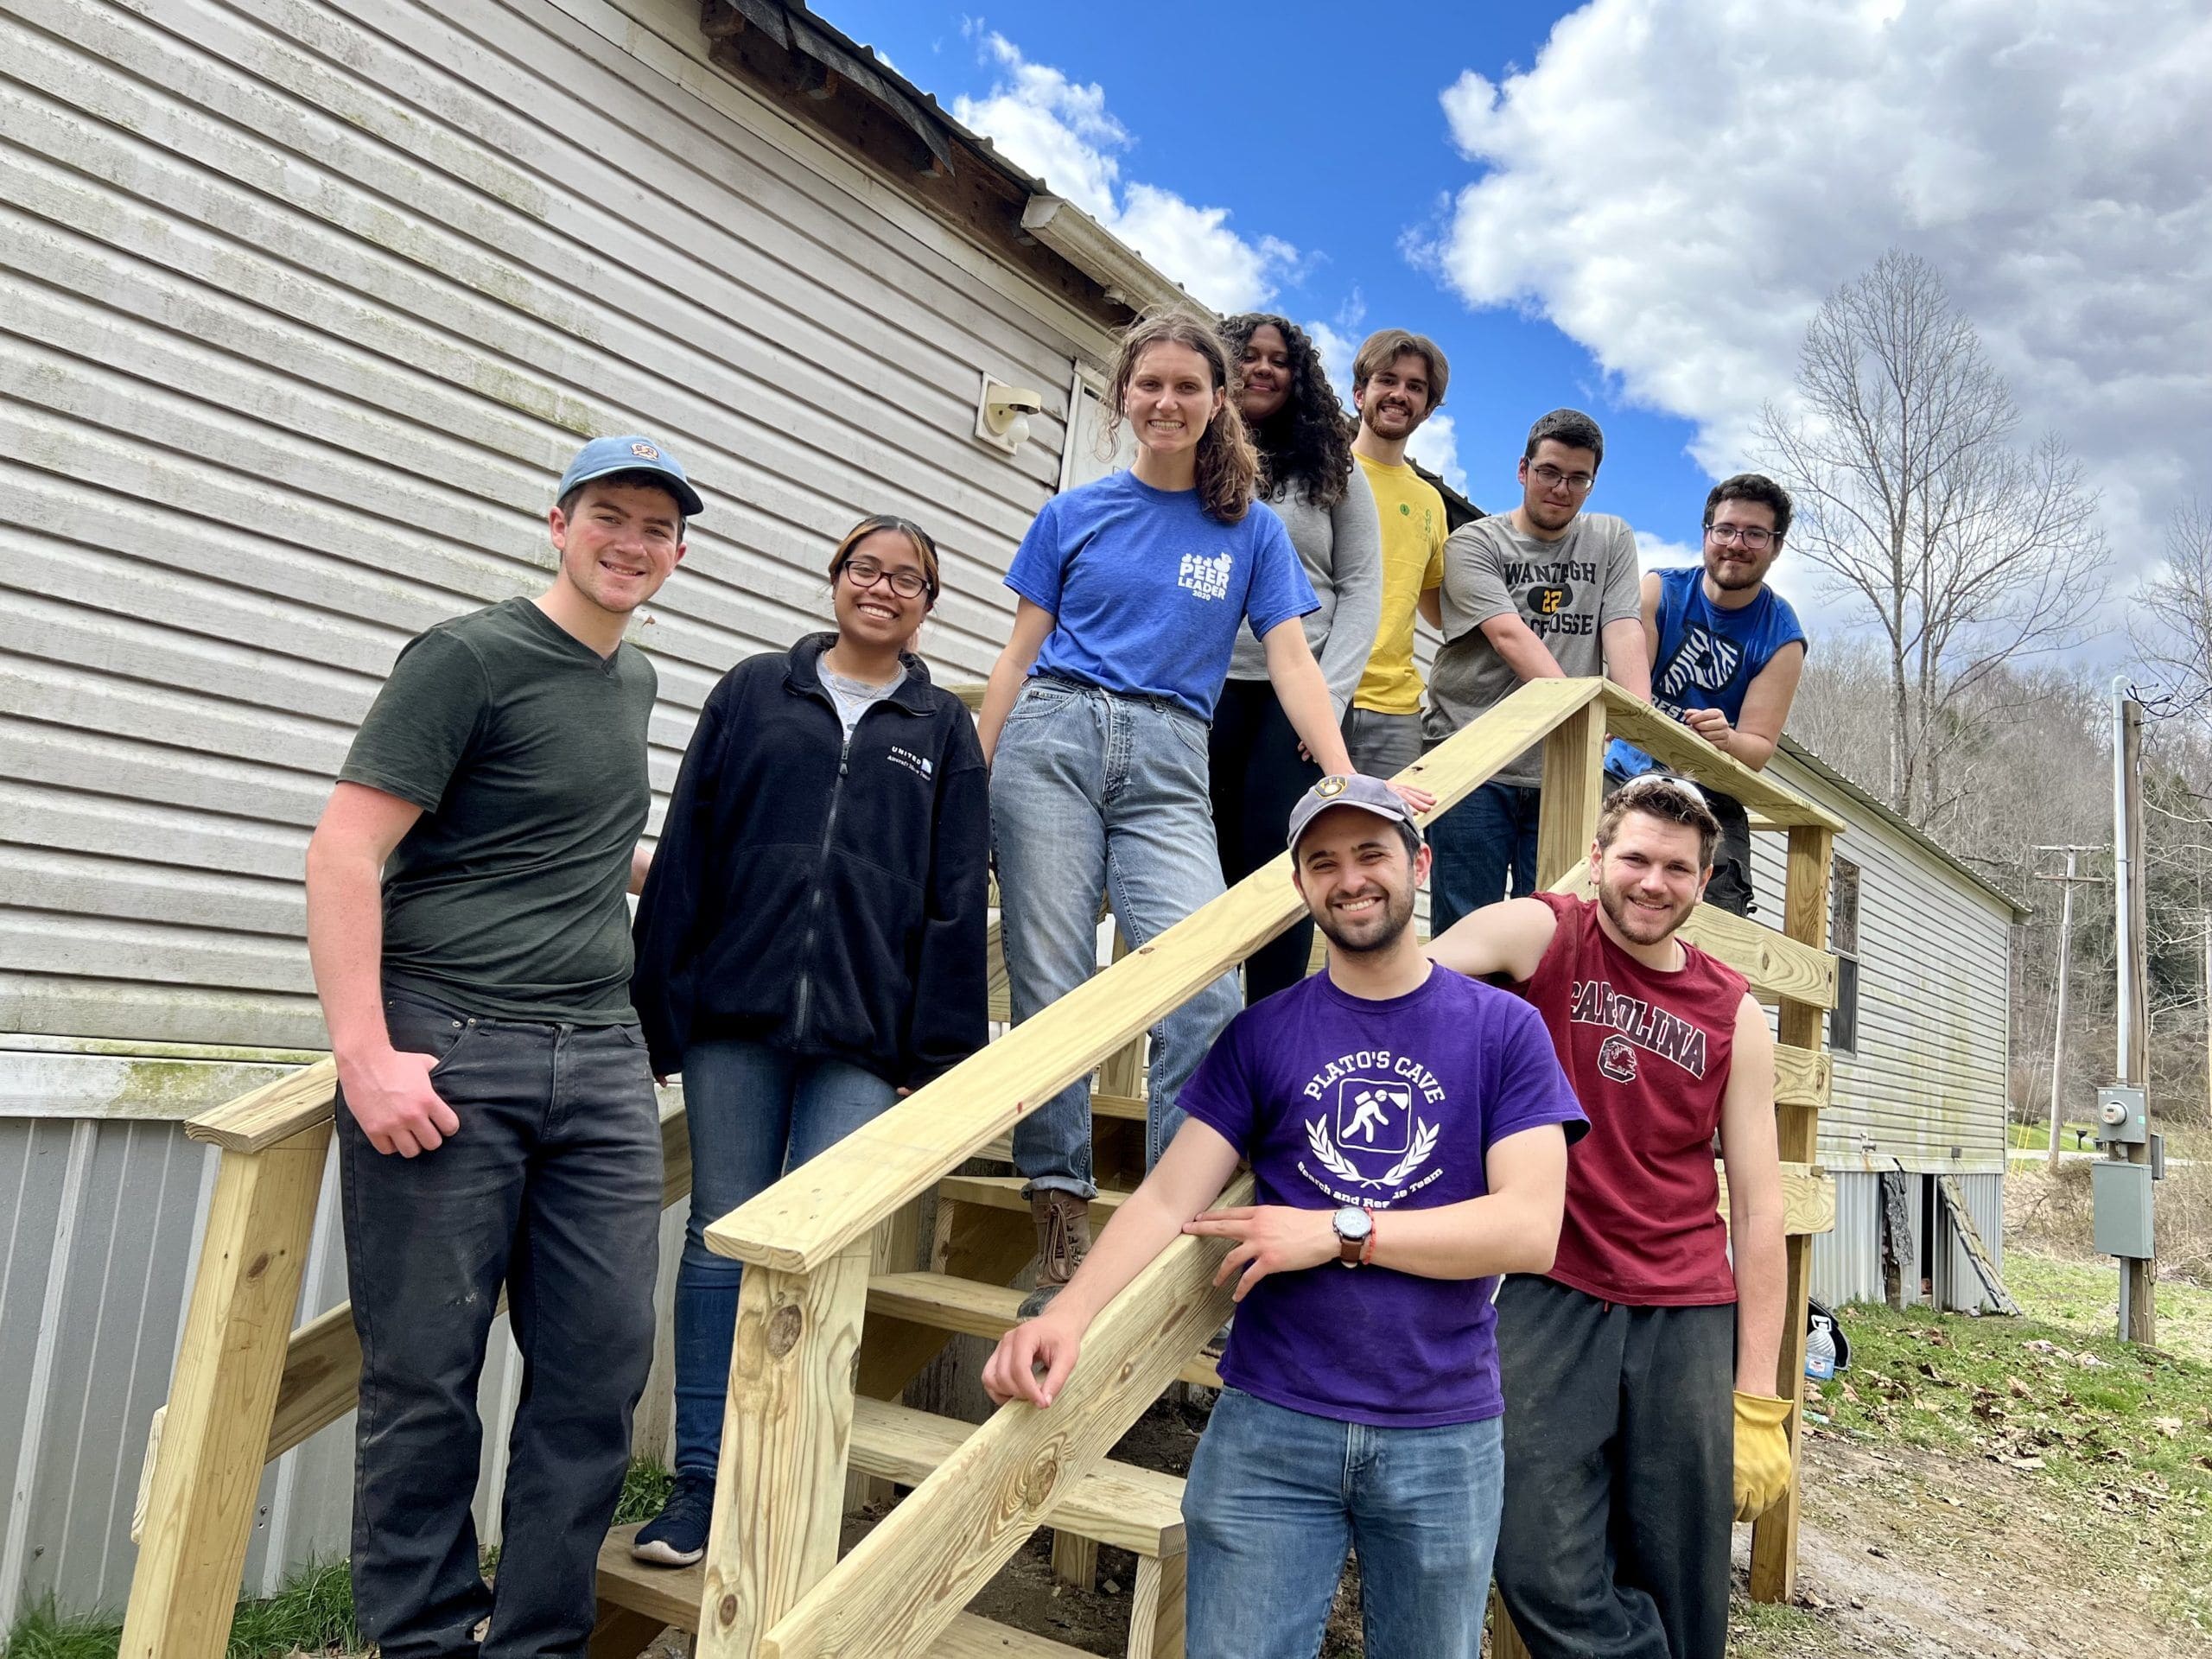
<point x="2121" y="1193"/>
<point x="2123" y="1115"/>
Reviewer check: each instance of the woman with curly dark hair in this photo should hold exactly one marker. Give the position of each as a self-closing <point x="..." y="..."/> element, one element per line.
<point x="1258" y="767"/>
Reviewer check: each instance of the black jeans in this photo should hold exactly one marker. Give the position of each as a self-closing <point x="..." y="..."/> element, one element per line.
<point x="1257" y="776"/>
<point x="1620" y="1450"/>
<point x="552" y="1187"/>
<point x="1730" y="889"/>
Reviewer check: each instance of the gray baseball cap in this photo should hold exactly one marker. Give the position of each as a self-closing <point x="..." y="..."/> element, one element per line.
<point x="1368" y="794"/>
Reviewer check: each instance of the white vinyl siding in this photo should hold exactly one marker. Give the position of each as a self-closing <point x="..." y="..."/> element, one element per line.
<point x="1928" y="1073"/>
<point x="307" y="305"/>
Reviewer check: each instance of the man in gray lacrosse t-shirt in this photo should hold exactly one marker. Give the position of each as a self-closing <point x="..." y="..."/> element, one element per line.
<point x="1544" y="591"/>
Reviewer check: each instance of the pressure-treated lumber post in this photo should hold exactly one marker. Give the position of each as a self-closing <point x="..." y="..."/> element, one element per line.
<point x="896" y="1247"/>
<point x="780" y="1486"/>
<point x="1505" y="1641"/>
<point x="1804" y="919"/>
<point x="207" y="1470"/>
<point x="1075" y="1559"/>
<point x="1156" y="1608"/>
<point x="1574" y="787"/>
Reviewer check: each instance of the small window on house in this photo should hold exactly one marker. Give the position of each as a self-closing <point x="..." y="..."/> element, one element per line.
<point x="1843" y="939"/>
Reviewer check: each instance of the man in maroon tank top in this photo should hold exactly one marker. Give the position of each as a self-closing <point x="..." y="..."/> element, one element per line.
<point x="1627" y="1452"/>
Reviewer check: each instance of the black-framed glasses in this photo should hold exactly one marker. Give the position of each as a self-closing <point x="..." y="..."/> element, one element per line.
<point x="1751" y="537"/>
<point x="1552" y="479"/>
<point x="866" y="573"/>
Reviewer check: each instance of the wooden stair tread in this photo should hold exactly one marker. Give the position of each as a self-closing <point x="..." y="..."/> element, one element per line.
<point x="672" y="1594"/>
<point x="1004" y="1193"/>
<point x="945" y="1303"/>
<point x="1137" y="1510"/>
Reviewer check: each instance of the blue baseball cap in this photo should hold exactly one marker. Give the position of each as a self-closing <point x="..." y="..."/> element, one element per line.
<point x="631" y="454"/>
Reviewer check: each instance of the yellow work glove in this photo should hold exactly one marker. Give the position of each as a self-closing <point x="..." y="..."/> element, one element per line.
<point x="1761" y="1454"/>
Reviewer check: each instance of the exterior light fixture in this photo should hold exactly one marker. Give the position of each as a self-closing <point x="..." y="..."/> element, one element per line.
<point x="1002" y="414"/>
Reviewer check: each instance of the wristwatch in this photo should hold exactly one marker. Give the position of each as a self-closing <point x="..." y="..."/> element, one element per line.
<point x="1353" y="1226"/>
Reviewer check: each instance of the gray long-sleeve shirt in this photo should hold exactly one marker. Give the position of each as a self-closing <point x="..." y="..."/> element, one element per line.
<point x="1341" y="548"/>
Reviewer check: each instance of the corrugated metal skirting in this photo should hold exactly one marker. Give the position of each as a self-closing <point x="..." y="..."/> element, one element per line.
<point x="100" y="1224"/>
<point x="1848" y="1262"/>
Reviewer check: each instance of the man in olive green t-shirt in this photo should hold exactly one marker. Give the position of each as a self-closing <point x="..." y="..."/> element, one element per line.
<point x="1398" y="381"/>
<point x="497" y="1124"/>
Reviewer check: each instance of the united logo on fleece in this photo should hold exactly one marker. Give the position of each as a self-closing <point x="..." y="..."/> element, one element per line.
<point x="1646" y="1025"/>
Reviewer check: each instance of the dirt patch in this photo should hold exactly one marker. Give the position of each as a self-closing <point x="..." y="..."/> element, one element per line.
<point x="1920" y="1554"/>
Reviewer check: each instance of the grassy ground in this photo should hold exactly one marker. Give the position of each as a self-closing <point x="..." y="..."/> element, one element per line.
<point x="313" y="1614"/>
<point x="2049" y="1445"/>
<point x="2036" y="1137"/>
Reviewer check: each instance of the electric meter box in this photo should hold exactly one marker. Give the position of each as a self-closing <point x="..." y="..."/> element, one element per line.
<point x="2122" y="1116"/>
<point x="2121" y="1193"/>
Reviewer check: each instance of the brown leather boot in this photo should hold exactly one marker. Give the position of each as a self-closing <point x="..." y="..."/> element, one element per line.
<point x="1062" y="1240"/>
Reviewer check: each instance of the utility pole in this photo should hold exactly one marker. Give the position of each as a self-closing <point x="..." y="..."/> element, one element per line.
<point x="2138" y="1274"/>
<point x="2065" y="958"/>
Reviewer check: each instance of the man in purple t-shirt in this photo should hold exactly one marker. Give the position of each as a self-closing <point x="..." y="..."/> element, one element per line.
<point x="1406" y="1131"/>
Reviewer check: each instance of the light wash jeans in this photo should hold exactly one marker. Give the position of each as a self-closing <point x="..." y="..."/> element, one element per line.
<point x="1094" y="794"/>
<point x="755" y="1113"/>
<point x="1275" y="1499"/>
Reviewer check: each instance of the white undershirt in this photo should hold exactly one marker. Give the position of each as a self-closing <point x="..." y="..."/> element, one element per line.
<point x="853" y="697"/>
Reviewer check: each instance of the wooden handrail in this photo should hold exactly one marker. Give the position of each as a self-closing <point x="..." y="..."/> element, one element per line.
<point x="1675" y="746"/>
<point x="276" y="1111"/>
<point x="820" y="1208"/>
<point x="903" y="1583"/>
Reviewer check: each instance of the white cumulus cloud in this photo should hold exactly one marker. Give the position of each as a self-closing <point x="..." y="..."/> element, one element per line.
<point x="1337" y="350"/>
<point x="1061" y="130"/>
<point x="1435" y="445"/>
<point x="1677" y="183"/>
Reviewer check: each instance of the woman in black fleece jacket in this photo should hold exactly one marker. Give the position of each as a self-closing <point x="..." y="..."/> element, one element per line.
<point x="810" y="945"/>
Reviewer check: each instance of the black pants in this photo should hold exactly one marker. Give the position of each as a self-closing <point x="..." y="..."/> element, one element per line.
<point x="552" y="1187"/>
<point x="1731" y="886"/>
<point x="1619" y="1474"/>
<point x="1256" y="777"/>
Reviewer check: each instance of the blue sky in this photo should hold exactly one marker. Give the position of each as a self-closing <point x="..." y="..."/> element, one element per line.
<point x="1344" y="172"/>
<point x="1634" y="207"/>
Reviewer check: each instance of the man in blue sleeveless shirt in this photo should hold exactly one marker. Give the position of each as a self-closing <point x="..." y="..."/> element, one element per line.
<point x="1727" y="651"/>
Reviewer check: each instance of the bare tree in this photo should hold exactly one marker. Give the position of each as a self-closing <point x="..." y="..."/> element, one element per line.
<point x="1971" y="550"/>
<point x="2173" y="625"/>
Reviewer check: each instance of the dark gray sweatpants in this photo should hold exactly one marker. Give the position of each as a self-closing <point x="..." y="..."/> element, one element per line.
<point x="1619" y="1474"/>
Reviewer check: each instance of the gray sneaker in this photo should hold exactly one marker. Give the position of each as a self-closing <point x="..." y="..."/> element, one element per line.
<point x="1062" y="1240"/>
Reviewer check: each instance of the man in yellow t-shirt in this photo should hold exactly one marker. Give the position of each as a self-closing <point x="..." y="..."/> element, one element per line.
<point x="1397" y="383"/>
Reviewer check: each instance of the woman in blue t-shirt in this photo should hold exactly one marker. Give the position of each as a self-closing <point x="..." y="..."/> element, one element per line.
<point x="1130" y="591"/>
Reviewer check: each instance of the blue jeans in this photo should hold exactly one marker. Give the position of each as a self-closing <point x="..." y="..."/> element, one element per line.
<point x="1276" y="1496"/>
<point x="1487" y="836"/>
<point x="754" y="1112"/>
<point x="1096" y="795"/>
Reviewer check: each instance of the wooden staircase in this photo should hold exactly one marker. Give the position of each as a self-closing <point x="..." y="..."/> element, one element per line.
<point x="1139" y="1511"/>
<point x="838" y="1314"/>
